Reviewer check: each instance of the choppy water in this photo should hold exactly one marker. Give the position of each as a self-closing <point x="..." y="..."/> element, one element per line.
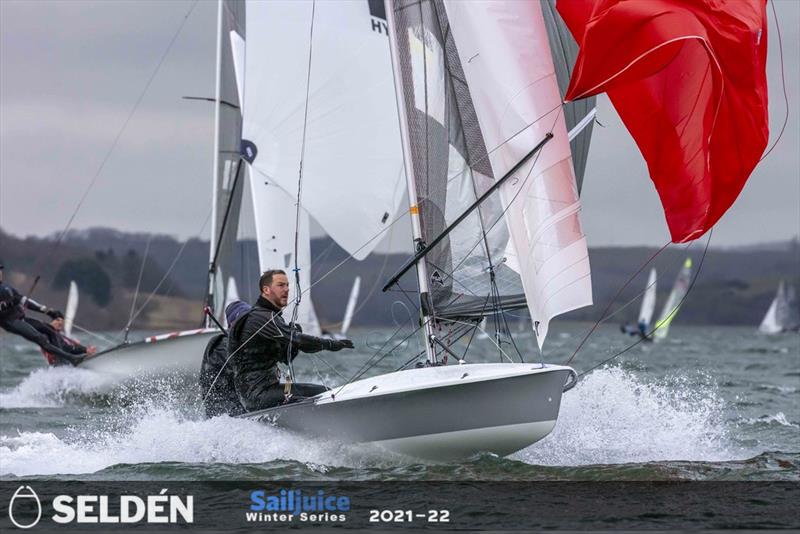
<point x="706" y="404"/>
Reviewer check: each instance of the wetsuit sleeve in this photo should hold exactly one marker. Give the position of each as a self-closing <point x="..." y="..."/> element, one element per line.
<point x="74" y="347"/>
<point x="32" y="304"/>
<point x="277" y="329"/>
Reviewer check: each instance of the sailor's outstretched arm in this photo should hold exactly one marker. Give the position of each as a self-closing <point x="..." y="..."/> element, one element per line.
<point x="303" y="342"/>
<point x="35" y="306"/>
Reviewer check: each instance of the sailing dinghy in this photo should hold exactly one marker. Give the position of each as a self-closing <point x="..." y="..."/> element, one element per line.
<point x="493" y="163"/>
<point x="472" y="121"/>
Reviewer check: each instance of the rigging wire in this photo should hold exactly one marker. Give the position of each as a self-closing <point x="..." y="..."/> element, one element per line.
<point x="783" y="79"/>
<point x="298" y="288"/>
<point x="643" y="291"/>
<point x="167" y="273"/>
<point x="138" y="285"/>
<point x="113" y="146"/>
<point x="94" y="334"/>
<point x="616" y="296"/>
<point x="672" y="313"/>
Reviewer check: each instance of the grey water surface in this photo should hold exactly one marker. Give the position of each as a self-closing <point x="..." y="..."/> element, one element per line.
<point x="708" y="403"/>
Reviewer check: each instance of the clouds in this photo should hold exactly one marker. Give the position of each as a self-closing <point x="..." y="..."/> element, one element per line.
<point x="70" y="73"/>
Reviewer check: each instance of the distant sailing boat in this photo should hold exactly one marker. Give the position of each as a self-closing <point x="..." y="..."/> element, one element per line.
<point x="783" y="314"/>
<point x="646" y="311"/>
<point x="671" y="306"/>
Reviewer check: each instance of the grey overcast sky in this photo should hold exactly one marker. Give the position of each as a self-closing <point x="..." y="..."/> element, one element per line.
<point x="71" y="71"/>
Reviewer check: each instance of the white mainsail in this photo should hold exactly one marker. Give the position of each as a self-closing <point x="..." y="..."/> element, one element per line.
<point x="274" y="209"/>
<point x="506" y="59"/>
<point x="274" y="212"/>
<point x="649" y="301"/>
<point x="352" y="164"/>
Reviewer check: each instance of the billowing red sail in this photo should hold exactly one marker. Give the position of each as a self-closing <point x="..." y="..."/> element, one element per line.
<point x="688" y="79"/>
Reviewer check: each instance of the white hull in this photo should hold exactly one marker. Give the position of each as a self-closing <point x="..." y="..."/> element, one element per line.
<point x="169" y="354"/>
<point x="464" y="443"/>
<point x="440" y="413"/>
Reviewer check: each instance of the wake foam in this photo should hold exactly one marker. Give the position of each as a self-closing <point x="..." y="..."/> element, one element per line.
<point x="154" y="435"/>
<point x="614" y="417"/>
<point x="49" y="387"/>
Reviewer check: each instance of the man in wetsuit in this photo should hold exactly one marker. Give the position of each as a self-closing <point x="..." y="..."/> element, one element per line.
<point x="13" y="320"/>
<point x="216" y="376"/>
<point x="261" y="338"/>
<point x="55" y="333"/>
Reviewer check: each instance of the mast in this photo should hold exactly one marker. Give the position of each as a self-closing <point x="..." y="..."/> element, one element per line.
<point x="416" y="228"/>
<point x="214" y="175"/>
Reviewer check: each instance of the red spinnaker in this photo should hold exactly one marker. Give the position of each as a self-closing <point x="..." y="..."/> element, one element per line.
<point x="688" y="79"/>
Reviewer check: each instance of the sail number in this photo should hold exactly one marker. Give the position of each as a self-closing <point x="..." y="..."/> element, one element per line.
<point x="408" y="516"/>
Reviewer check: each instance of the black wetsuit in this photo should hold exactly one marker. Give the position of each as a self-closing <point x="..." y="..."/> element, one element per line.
<point x="223" y="398"/>
<point x="258" y="341"/>
<point x="13" y="320"/>
<point x="58" y="339"/>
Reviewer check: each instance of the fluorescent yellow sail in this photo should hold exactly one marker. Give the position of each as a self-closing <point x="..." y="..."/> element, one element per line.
<point x="674" y="300"/>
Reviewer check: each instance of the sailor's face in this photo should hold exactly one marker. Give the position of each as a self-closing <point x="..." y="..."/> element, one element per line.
<point x="58" y="324"/>
<point x="278" y="291"/>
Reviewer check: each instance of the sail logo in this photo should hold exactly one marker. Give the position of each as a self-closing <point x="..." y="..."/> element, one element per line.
<point x="377" y="13"/>
<point x="23" y="498"/>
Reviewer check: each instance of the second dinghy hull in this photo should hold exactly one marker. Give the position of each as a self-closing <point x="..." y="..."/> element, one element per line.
<point x="178" y="353"/>
<point x="438" y="413"/>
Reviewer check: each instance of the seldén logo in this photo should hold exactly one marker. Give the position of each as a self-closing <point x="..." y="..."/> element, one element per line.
<point x="21" y="502"/>
<point x="287" y="506"/>
<point x="127" y="509"/>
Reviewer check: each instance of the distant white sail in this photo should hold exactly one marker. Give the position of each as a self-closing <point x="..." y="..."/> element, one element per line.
<point x="231" y="292"/>
<point x="770" y="325"/>
<point x="351" y="306"/>
<point x="352" y="164"/>
<point x="670" y="310"/>
<point x="783" y="314"/>
<point x="71" y="309"/>
<point x="649" y="301"/>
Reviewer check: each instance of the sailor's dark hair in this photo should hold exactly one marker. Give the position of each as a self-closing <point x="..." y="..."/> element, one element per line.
<point x="266" y="277"/>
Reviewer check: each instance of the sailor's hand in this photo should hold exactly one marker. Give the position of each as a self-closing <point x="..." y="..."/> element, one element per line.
<point x="339" y="344"/>
<point x="91" y="349"/>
